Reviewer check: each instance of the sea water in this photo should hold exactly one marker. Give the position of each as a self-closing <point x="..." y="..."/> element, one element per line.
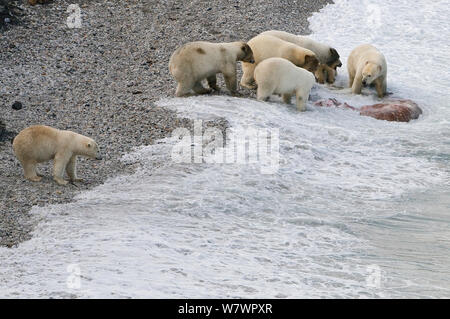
<point x="356" y="207"/>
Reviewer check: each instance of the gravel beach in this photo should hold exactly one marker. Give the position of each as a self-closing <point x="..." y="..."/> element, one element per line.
<point x="102" y="80"/>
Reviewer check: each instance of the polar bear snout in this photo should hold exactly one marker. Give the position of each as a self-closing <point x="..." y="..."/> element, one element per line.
<point x="98" y="155"/>
<point x="367" y="79"/>
<point x="250" y="60"/>
<point x="92" y="150"/>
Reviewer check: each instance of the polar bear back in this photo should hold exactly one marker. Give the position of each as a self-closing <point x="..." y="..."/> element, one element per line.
<point x="266" y="46"/>
<point x="286" y="76"/>
<point x="322" y="51"/>
<point x="201" y="58"/>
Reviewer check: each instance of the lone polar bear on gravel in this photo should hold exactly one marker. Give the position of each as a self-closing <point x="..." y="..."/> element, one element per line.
<point x="267" y="46"/>
<point x="195" y="61"/>
<point x="366" y="65"/>
<point x="280" y="76"/>
<point x="39" y="143"/>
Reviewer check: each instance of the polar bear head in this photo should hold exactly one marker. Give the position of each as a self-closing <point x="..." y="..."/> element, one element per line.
<point x="370" y="72"/>
<point x="87" y="147"/>
<point x="311" y="63"/>
<point x="333" y="61"/>
<point x="245" y="53"/>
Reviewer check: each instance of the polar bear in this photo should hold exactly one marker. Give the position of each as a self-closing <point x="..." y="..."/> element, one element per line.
<point x="195" y="61"/>
<point x="280" y="76"/>
<point x="40" y="143"/>
<point x="328" y="57"/>
<point x="266" y="46"/>
<point x="326" y="54"/>
<point x="366" y="65"/>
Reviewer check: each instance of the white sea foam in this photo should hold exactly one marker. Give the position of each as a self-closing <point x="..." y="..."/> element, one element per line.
<point x="357" y="208"/>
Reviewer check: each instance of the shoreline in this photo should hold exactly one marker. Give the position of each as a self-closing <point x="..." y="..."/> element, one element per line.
<point x="103" y="79"/>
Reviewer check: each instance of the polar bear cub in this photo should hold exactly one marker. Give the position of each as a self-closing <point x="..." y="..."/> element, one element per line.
<point x="366" y="65"/>
<point x="196" y="61"/>
<point x="40" y="143"/>
<point x="280" y="76"/>
<point x="266" y="46"/>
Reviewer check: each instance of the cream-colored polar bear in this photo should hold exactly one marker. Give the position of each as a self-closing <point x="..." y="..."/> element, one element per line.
<point x="266" y="46"/>
<point x="328" y="57"/>
<point x="366" y="65"/>
<point x="40" y="143"/>
<point x="280" y="76"/>
<point x="195" y="61"/>
<point x="326" y="54"/>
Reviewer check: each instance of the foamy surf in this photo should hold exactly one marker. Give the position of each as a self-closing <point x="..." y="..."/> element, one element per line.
<point x="356" y="208"/>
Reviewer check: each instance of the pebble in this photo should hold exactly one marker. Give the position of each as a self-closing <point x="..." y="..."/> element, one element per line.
<point x="17" y="105"/>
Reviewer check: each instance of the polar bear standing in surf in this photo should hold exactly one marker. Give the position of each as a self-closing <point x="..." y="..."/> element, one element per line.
<point x="40" y="143"/>
<point x="280" y="76"/>
<point x="366" y="65"/>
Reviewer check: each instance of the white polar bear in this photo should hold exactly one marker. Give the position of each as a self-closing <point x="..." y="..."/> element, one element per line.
<point x="266" y="46"/>
<point x="280" y="76"/>
<point x="366" y="65"/>
<point x="196" y="61"/>
<point x="40" y="143"/>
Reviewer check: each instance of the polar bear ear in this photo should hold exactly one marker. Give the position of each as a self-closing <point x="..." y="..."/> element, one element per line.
<point x="246" y="48"/>
<point x="334" y="54"/>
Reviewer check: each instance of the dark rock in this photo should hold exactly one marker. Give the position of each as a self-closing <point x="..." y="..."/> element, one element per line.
<point x="8" y="13"/>
<point x="5" y="135"/>
<point x="17" y="105"/>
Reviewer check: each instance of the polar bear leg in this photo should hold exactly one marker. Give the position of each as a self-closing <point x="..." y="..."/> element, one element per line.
<point x="320" y="74"/>
<point x="301" y="97"/>
<point x="351" y="78"/>
<point x="71" y="169"/>
<point x="287" y="98"/>
<point x="29" y="169"/>
<point x="200" y="89"/>
<point x="183" y="89"/>
<point x="212" y="82"/>
<point x="264" y="91"/>
<point x="247" y="79"/>
<point x="357" y="83"/>
<point x="331" y="76"/>
<point x="59" y="165"/>
<point x="380" y="86"/>
<point x="230" y="81"/>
